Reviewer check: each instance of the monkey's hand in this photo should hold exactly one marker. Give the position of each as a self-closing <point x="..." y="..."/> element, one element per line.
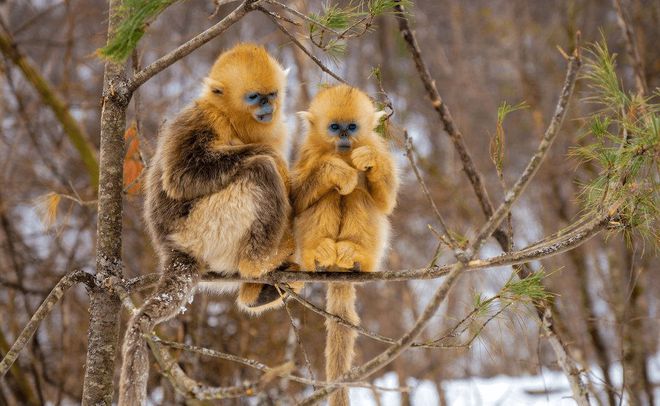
<point x="364" y="158"/>
<point x="342" y="175"/>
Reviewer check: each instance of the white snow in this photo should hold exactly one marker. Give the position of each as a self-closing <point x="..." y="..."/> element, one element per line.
<point x="548" y="388"/>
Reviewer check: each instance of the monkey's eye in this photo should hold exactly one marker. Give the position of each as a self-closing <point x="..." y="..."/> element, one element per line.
<point x="216" y="91"/>
<point x="252" y="98"/>
<point x="272" y="95"/>
<point x="334" y="127"/>
<point x="352" y="127"/>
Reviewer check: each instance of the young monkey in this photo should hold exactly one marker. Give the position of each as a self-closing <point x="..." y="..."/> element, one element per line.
<point x="343" y="188"/>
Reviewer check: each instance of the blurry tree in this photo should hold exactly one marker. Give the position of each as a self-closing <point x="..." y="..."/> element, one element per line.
<point x="594" y="200"/>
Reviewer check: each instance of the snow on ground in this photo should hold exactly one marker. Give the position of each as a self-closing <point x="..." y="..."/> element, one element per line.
<point x="548" y="388"/>
<point x="498" y="390"/>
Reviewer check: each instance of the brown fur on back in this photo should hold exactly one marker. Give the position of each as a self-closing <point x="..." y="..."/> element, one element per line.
<point x="216" y="195"/>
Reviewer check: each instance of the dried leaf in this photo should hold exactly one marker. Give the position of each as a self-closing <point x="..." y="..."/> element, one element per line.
<point x="132" y="163"/>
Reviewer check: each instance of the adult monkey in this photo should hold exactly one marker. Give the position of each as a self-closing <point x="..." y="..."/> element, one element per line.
<point x="216" y="198"/>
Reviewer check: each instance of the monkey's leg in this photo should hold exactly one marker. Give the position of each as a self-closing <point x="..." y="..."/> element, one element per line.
<point x="317" y="229"/>
<point x="340" y="340"/>
<point x="261" y="296"/>
<point x="177" y="285"/>
<point x="267" y="243"/>
<point x="361" y="229"/>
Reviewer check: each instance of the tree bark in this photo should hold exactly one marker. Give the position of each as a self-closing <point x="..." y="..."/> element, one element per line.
<point x="105" y="306"/>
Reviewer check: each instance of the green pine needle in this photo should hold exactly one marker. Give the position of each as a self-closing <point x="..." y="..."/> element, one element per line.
<point x="621" y="139"/>
<point x="136" y="15"/>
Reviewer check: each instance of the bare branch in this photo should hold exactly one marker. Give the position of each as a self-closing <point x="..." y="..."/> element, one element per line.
<point x="446" y="236"/>
<point x="263" y="367"/>
<point x="631" y="47"/>
<point x="164" y="62"/>
<point x="301" y="46"/>
<point x="535" y="162"/>
<point x="42" y="312"/>
<point x="441" y="108"/>
<point x="73" y="130"/>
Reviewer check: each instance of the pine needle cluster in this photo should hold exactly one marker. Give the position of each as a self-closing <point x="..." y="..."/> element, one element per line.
<point x="621" y="145"/>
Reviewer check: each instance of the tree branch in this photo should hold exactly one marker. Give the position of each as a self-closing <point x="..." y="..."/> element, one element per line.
<point x="297" y="43"/>
<point x="631" y="47"/>
<point x="73" y="130"/>
<point x="164" y="62"/>
<point x="42" y="312"/>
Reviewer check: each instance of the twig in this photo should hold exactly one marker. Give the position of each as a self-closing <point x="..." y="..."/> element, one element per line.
<point x="296" y="332"/>
<point x="535" y="162"/>
<point x="191" y="45"/>
<point x="443" y="112"/>
<point x="302" y="16"/>
<point x="396" y="349"/>
<point x="446" y="236"/>
<point x="293" y="39"/>
<point x="631" y="47"/>
<point x="475" y="179"/>
<point x="378" y="337"/>
<point x="44" y="309"/>
<point x="263" y="367"/>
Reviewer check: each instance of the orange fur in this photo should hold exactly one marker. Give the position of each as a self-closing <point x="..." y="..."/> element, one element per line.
<point x="341" y="202"/>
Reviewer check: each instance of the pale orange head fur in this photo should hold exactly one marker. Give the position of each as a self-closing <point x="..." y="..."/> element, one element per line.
<point x="341" y="104"/>
<point x="246" y="69"/>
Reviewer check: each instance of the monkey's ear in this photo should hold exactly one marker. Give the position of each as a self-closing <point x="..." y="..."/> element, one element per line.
<point x="214" y="86"/>
<point x="306" y="118"/>
<point x="378" y="116"/>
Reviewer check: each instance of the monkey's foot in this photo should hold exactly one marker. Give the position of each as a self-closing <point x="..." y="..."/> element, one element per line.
<point x="326" y="253"/>
<point x="256" y="298"/>
<point x="347" y="255"/>
<point x="253" y="269"/>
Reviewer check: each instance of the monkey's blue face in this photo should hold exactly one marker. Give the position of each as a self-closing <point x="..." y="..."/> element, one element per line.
<point x="343" y="132"/>
<point x="262" y="105"/>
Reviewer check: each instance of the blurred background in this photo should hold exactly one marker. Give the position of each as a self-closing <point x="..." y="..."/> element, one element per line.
<point x="481" y="54"/>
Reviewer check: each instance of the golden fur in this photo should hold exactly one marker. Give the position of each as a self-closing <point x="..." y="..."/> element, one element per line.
<point x="216" y="197"/>
<point x="341" y="202"/>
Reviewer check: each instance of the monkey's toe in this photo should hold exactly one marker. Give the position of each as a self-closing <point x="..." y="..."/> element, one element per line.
<point x="288" y="266"/>
<point x="345" y="255"/>
<point x="326" y="253"/>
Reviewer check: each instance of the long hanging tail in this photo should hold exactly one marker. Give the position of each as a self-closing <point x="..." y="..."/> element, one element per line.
<point x="135" y="368"/>
<point x="177" y="284"/>
<point x="340" y="340"/>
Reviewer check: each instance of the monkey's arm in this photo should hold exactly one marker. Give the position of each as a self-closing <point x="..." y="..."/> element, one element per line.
<point x="382" y="179"/>
<point x="313" y="178"/>
<point x="194" y="167"/>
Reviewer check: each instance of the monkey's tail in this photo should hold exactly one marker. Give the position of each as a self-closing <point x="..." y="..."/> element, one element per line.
<point x="135" y="367"/>
<point x="340" y="340"/>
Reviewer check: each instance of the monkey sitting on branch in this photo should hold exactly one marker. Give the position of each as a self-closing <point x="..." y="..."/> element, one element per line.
<point x="343" y="188"/>
<point x="216" y="199"/>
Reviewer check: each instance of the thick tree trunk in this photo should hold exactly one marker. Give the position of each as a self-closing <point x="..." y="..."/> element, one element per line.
<point x="105" y="306"/>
